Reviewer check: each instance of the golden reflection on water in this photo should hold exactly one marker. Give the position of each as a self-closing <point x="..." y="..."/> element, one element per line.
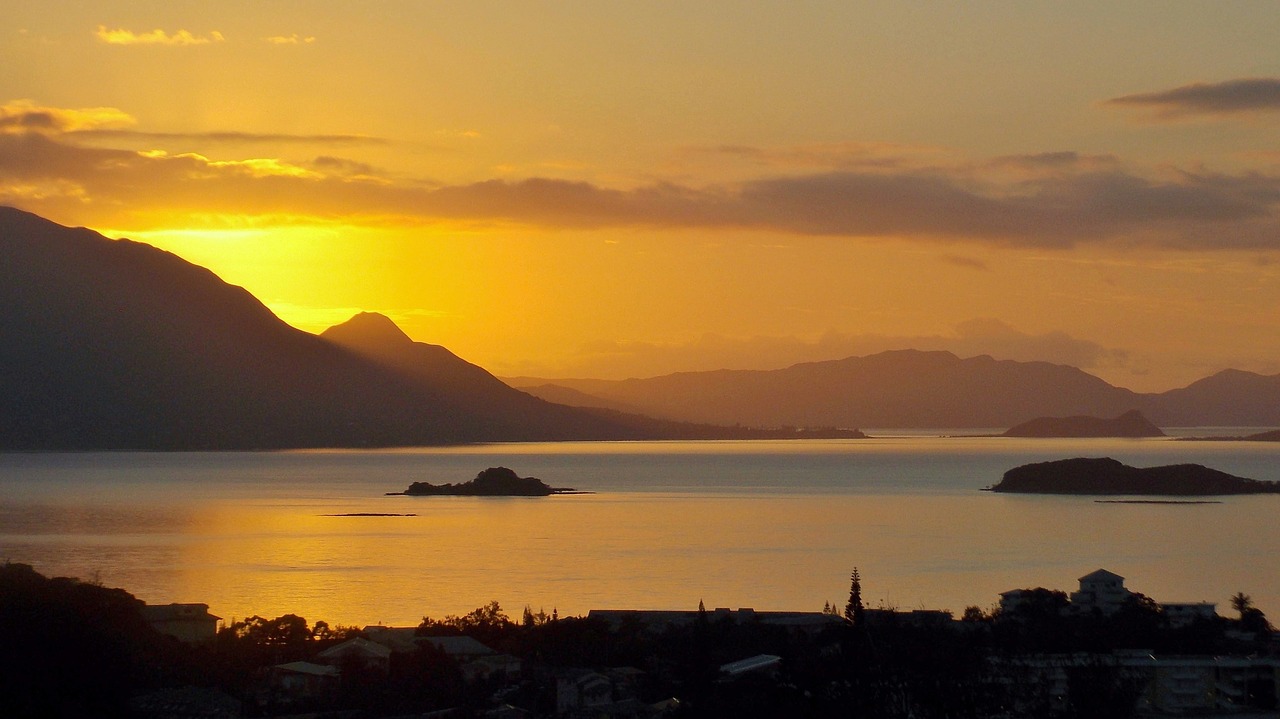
<point x="576" y="553"/>
<point x="731" y="524"/>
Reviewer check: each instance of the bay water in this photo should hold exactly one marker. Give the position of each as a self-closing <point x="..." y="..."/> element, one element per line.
<point x="769" y="525"/>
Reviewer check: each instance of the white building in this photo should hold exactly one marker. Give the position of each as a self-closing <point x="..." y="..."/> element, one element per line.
<point x="191" y="623"/>
<point x="1102" y="591"/>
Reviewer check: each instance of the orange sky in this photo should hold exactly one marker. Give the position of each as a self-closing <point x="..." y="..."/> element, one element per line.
<point x="600" y="189"/>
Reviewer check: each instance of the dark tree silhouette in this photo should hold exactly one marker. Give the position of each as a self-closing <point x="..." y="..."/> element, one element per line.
<point x="1241" y="602"/>
<point x="853" y="610"/>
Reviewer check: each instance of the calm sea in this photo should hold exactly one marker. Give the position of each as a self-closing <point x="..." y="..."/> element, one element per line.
<point x="769" y="525"/>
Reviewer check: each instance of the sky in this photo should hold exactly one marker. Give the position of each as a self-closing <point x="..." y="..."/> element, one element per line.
<point x="591" y="189"/>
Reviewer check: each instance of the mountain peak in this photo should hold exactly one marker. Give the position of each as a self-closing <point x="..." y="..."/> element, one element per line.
<point x="368" y="330"/>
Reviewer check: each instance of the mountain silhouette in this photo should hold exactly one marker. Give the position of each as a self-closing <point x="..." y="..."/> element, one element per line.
<point x="506" y="412"/>
<point x="918" y="389"/>
<point x="902" y="388"/>
<point x="114" y="344"/>
<point x="1231" y="398"/>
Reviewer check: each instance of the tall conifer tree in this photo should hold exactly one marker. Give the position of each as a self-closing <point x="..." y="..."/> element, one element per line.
<point x="853" y="610"/>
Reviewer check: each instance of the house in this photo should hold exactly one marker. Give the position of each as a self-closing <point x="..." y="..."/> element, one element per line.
<point x="492" y="666"/>
<point x="463" y="649"/>
<point x="400" y="640"/>
<point x="1186" y="614"/>
<point x="1012" y="600"/>
<point x="301" y="681"/>
<point x="1100" y="591"/>
<point x="628" y="682"/>
<point x="1170" y="684"/>
<point x="576" y="691"/>
<point x="358" y="652"/>
<point x="190" y="623"/>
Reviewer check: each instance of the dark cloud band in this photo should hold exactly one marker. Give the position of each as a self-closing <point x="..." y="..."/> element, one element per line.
<point x="1058" y="209"/>
<point x="1259" y="94"/>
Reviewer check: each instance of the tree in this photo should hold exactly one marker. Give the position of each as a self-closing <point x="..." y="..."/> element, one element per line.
<point x="1242" y="603"/>
<point x="853" y="611"/>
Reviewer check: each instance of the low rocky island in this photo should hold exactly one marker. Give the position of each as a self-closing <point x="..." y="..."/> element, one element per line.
<point x="1106" y="476"/>
<point x="1129" y="424"/>
<point x="492" y="482"/>
<point x="1269" y="436"/>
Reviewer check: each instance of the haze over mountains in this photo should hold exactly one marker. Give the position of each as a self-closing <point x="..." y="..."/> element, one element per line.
<point x="108" y="344"/>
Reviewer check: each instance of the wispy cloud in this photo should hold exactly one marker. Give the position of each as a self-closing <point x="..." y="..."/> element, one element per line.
<point x="121" y="36"/>
<point x="231" y="137"/>
<point x="831" y="155"/>
<point x="20" y="116"/>
<point x="1231" y="97"/>
<point x="970" y="263"/>
<point x="291" y="39"/>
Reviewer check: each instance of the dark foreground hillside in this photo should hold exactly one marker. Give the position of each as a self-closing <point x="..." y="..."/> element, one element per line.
<point x="75" y="649"/>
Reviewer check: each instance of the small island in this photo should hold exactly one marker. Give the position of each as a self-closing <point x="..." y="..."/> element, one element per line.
<point x="1268" y="436"/>
<point x="1106" y="476"/>
<point x="1129" y="424"/>
<point x="492" y="482"/>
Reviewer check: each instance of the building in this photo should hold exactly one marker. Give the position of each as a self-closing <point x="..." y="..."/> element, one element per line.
<point x="188" y="622"/>
<point x="582" y="690"/>
<point x="493" y="666"/>
<point x="660" y="620"/>
<point x="921" y="618"/>
<point x="359" y="652"/>
<point x="302" y="681"/>
<point x="1188" y="613"/>
<point x="1012" y="600"/>
<point x="1100" y="591"/>
<point x="403" y="640"/>
<point x="461" y="648"/>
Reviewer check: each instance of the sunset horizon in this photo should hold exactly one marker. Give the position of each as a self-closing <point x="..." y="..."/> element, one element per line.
<point x="642" y="360"/>
<point x="583" y="191"/>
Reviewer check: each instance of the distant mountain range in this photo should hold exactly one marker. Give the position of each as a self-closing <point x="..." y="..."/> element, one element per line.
<point x="113" y="344"/>
<point x="915" y="389"/>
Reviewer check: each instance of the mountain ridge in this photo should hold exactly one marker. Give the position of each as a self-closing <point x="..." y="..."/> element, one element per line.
<point x="919" y="389"/>
<point x="114" y="344"/>
<point x="896" y="388"/>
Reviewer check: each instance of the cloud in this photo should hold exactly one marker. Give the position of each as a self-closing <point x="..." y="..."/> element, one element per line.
<point x="22" y="116"/>
<point x="831" y="155"/>
<point x="1048" y="164"/>
<point x="984" y="336"/>
<point x="966" y="262"/>
<point x="1231" y="97"/>
<point x="120" y="36"/>
<point x="233" y="137"/>
<point x="291" y="39"/>
<point x="1068" y="200"/>
<point x="343" y="166"/>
